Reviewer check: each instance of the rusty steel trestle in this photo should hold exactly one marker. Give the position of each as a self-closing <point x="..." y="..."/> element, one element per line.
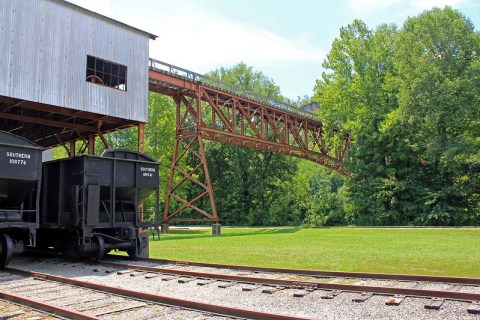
<point x="210" y="109"/>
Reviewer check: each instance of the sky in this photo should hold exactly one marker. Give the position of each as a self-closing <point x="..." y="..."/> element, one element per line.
<point x="287" y="40"/>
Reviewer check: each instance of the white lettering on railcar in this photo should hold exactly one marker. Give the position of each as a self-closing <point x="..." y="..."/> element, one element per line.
<point x="147" y="171"/>
<point x="18" y="155"/>
<point x="18" y="161"/>
<point x="18" y="158"/>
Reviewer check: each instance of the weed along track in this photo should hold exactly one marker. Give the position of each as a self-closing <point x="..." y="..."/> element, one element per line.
<point x="14" y="307"/>
<point x="239" y="292"/>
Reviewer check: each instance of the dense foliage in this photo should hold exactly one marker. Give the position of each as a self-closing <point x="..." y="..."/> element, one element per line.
<point x="410" y="99"/>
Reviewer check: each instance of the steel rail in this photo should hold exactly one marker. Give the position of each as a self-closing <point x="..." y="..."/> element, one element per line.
<point x="45" y="307"/>
<point x="320" y="273"/>
<point x="414" y="292"/>
<point x="187" y="304"/>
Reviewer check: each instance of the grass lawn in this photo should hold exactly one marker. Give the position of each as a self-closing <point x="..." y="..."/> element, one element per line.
<point x="452" y="252"/>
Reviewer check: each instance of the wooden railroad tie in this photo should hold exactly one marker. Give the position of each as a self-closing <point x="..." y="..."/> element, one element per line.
<point x="363" y="297"/>
<point x="434" y="304"/>
<point x="395" y="300"/>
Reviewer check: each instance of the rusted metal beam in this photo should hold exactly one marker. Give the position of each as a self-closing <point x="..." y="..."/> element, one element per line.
<point x="189" y="146"/>
<point x="36" y="106"/>
<point x="49" y="122"/>
<point x="171" y="80"/>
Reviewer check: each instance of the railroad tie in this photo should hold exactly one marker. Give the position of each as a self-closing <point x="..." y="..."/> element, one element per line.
<point x="185" y="280"/>
<point x="137" y="273"/>
<point x="272" y="290"/>
<point x="227" y="284"/>
<point x="204" y="282"/>
<point x="40" y="277"/>
<point x="250" y="287"/>
<point x="434" y="304"/>
<point x="302" y="293"/>
<point x="121" y="273"/>
<point x="121" y="309"/>
<point x="363" y="297"/>
<point x="330" y="294"/>
<point x="11" y="314"/>
<point x="395" y="300"/>
<point x="475" y="309"/>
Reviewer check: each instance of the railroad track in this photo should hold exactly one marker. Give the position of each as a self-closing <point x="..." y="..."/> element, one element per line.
<point x="11" y="310"/>
<point x="396" y="287"/>
<point x="76" y="299"/>
<point x="289" y="294"/>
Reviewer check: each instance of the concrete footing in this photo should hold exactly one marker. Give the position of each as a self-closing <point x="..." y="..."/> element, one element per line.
<point x="164" y="228"/>
<point x="145" y="253"/>
<point x="216" y="229"/>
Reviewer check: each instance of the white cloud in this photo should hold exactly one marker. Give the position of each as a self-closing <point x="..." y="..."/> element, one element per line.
<point x="195" y="38"/>
<point x="420" y="5"/>
<point x="220" y="42"/>
<point x="370" y="6"/>
<point x="191" y="36"/>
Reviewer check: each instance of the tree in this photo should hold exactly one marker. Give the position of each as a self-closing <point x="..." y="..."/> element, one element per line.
<point x="437" y="58"/>
<point x="409" y="99"/>
<point x="355" y="97"/>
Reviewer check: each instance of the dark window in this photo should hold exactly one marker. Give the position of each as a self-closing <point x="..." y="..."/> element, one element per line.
<point x="106" y="73"/>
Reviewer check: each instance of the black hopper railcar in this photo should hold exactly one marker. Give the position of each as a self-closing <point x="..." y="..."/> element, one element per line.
<point x="92" y="204"/>
<point x="20" y="181"/>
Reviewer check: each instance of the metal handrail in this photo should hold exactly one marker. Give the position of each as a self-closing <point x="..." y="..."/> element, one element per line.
<point x="218" y="84"/>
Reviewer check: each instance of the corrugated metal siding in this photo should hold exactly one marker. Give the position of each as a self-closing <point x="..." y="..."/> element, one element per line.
<point x="43" y="55"/>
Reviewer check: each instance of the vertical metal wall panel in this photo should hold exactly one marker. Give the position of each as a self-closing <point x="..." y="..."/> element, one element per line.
<point x="43" y="55"/>
<point x="4" y="45"/>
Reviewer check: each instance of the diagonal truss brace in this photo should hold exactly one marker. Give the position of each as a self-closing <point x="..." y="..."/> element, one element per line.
<point x="183" y="182"/>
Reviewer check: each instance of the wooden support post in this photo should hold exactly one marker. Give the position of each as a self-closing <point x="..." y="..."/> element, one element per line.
<point x="91" y="145"/>
<point x="141" y="137"/>
<point x="141" y="148"/>
<point x="72" y="149"/>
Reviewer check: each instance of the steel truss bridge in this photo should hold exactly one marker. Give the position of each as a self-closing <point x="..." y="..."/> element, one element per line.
<point x="208" y="109"/>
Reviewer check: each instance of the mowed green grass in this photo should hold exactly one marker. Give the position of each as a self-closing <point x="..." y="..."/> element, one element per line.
<point x="444" y="251"/>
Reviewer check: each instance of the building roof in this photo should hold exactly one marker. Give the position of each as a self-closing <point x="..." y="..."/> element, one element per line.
<point x="97" y="15"/>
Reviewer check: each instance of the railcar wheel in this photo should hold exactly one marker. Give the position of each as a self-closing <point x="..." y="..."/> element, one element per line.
<point x="100" y="248"/>
<point x="6" y="249"/>
<point x="135" y="251"/>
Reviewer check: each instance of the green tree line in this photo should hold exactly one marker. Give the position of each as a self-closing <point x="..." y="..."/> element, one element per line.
<point x="410" y="98"/>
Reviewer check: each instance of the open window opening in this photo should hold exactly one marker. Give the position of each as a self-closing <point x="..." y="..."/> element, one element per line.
<point x="106" y="73"/>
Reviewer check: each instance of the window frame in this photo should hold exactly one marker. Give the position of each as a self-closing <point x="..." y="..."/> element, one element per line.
<point x="106" y="73"/>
